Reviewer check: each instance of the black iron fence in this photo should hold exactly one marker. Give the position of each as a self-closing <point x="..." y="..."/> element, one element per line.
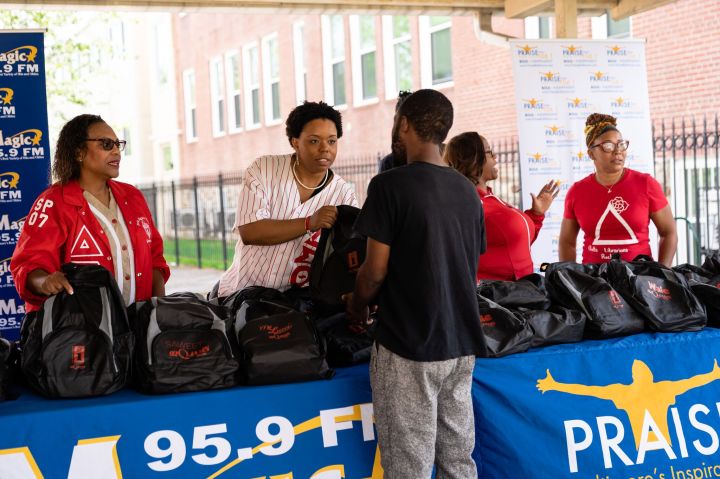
<point x="195" y="216"/>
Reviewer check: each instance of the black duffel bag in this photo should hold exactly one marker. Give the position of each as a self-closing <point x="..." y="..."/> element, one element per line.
<point x="184" y="343"/>
<point x="556" y="325"/>
<point x="338" y="256"/>
<point x="657" y="292"/>
<point x="79" y="344"/>
<point x="522" y="293"/>
<point x="708" y="293"/>
<point x="505" y="332"/>
<point x="279" y="344"/>
<point x="693" y="273"/>
<point x="608" y="314"/>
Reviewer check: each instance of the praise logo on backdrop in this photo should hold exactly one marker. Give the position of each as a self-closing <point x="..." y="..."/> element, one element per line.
<point x="537" y="109"/>
<point x="542" y="163"/>
<point x="647" y="405"/>
<point x="626" y="108"/>
<point x="621" y="56"/>
<point x="575" y="55"/>
<point x="19" y="61"/>
<point x="554" y="82"/>
<point x="7" y="109"/>
<point x="601" y="81"/>
<point x="9" y="192"/>
<point x="557" y="135"/>
<point x="533" y="56"/>
<point x="578" y="107"/>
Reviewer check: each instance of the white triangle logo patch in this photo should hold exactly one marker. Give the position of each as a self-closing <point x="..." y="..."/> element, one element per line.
<point x="615" y="206"/>
<point x="85" y="245"/>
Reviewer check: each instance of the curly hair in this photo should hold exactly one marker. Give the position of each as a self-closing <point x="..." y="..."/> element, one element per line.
<point x="430" y="113"/>
<point x="596" y="124"/>
<point x="307" y="112"/>
<point x="70" y="144"/>
<point x="466" y="153"/>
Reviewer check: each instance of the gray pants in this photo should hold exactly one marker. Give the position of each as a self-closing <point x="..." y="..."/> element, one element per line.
<point x="423" y="415"/>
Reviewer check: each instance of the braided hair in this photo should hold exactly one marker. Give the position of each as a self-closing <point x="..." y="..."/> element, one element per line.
<point x="596" y="124"/>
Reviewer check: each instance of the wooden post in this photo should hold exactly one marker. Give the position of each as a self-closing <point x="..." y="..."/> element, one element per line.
<point x="566" y="18"/>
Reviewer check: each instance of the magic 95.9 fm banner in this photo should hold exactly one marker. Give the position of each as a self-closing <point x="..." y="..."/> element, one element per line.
<point x="558" y="83"/>
<point x="24" y="154"/>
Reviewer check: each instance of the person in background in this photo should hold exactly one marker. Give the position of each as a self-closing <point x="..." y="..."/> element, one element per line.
<point x="284" y="202"/>
<point x="88" y="217"/>
<point x="510" y="232"/>
<point x="396" y="157"/>
<point x="425" y="233"/>
<point x="614" y="205"/>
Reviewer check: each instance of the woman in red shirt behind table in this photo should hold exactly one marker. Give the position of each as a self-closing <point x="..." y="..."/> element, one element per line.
<point x="510" y="232"/>
<point x="614" y="205"/>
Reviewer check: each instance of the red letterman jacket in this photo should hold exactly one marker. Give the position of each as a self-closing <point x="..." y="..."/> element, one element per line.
<point x="60" y="228"/>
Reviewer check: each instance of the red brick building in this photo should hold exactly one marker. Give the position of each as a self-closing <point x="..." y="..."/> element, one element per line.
<point x="239" y="75"/>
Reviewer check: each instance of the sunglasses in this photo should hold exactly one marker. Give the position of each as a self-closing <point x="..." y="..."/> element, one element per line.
<point x="610" y="147"/>
<point x="107" y="144"/>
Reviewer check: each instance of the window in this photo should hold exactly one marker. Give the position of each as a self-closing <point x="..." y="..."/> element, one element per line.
<point x="232" y="80"/>
<point x="163" y="52"/>
<point x="333" y="31"/>
<point x="271" y="78"/>
<point x="435" y="45"/>
<point x="166" y="152"/>
<point x="217" y="96"/>
<point x="538" y="27"/>
<point x="362" y="33"/>
<point x="398" y="56"/>
<point x="605" y="27"/>
<point x="128" y="151"/>
<point x="190" y="106"/>
<point x="251" y="77"/>
<point x="300" y="66"/>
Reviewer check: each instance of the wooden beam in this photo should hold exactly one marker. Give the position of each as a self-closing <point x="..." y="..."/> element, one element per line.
<point x="566" y="18"/>
<point x="400" y="6"/>
<point x="626" y="8"/>
<point x="526" y="8"/>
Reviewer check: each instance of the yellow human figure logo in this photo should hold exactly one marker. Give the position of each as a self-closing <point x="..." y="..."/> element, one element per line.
<point x="643" y="395"/>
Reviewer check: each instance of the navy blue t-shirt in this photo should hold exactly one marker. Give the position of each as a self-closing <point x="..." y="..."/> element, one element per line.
<point x="432" y="219"/>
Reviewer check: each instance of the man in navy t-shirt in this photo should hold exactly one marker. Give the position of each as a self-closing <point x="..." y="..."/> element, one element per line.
<point x="425" y="229"/>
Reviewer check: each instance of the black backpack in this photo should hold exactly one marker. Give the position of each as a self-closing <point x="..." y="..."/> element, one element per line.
<point x="79" y="345"/>
<point x="338" y="256"/>
<point x="505" y="333"/>
<point x="608" y="314"/>
<point x="279" y="344"/>
<point x="657" y="292"/>
<point x="183" y="344"/>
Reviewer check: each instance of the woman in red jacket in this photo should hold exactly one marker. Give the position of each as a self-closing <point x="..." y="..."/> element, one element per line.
<point x="87" y="217"/>
<point x="510" y="232"/>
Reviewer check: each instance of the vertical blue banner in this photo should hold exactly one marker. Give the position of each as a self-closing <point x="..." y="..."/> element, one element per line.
<point x="24" y="154"/>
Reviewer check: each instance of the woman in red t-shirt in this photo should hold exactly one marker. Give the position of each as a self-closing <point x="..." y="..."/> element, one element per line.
<point x="509" y="231"/>
<point x="614" y="205"/>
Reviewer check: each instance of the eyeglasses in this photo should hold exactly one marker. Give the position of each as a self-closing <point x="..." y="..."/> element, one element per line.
<point x="108" y="144"/>
<point x="490" y="153"/>
<point x="610" y="147"/>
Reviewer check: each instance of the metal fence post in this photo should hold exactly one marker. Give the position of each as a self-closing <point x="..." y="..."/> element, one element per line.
<point x="198" y="247"/>
<point x="222" y="220"/>
<point x="175" y="223"/>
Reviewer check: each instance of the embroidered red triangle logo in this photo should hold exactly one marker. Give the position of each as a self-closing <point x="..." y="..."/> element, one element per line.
<point x="85" y="245"/>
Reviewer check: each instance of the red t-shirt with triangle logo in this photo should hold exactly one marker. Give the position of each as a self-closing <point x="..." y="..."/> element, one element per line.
<point x="614" y="219"/>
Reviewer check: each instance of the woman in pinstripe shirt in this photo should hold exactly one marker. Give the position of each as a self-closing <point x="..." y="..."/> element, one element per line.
<point x="284" y="202"/>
